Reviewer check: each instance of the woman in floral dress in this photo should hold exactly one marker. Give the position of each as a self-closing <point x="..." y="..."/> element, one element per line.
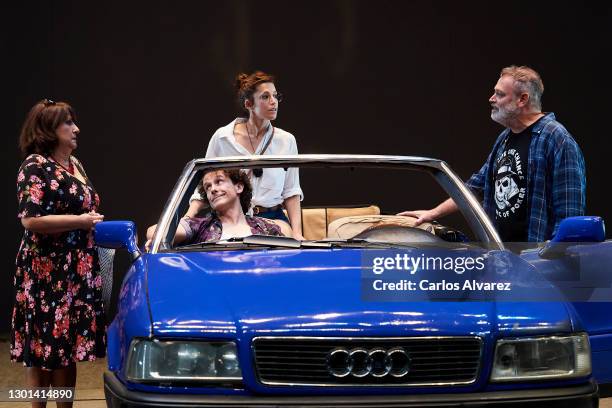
<point x="58" y="318"/>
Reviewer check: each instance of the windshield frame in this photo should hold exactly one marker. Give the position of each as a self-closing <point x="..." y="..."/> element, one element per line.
<point x="450" y="182"/>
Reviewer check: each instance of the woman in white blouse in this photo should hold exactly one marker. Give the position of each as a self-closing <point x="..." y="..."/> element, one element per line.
<point x="273" y="188"/>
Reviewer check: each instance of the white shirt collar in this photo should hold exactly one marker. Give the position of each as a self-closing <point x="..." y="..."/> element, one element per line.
<point x="229" y="129"/>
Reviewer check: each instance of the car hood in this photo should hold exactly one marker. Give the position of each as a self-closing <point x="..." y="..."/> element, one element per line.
<point x="311" y="292"/>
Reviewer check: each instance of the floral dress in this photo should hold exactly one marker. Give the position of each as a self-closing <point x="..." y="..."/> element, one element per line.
<point x="58" y="317"/>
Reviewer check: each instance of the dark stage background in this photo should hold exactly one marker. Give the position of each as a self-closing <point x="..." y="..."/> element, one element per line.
<point x="151" y="81"/>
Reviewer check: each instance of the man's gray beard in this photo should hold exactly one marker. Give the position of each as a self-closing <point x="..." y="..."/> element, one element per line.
<point x="503" y="116"/>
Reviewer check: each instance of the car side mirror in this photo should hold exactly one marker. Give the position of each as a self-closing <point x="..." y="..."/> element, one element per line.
<point x="574" y="229"/>
<point x="581" y="229"/>
<point x="118" y="235"/>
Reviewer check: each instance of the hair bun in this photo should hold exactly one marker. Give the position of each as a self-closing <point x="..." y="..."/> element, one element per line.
<point x="240" y="80"/>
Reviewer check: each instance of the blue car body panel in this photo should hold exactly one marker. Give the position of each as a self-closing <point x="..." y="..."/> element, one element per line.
<point x="583" y="262"/>
<point x="273" y="292"/>
<point x="133" y="318"/>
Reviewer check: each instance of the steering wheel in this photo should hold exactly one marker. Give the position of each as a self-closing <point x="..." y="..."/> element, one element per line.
<point x="394" y="233"/>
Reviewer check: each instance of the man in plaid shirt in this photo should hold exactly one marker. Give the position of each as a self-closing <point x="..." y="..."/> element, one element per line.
<point x="534" y="176"/>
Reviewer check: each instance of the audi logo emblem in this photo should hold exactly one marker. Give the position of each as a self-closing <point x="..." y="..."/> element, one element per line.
<point x="360" y="362"/>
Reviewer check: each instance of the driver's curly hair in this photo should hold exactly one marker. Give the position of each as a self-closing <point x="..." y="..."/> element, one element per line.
<point x="238" y="177"/>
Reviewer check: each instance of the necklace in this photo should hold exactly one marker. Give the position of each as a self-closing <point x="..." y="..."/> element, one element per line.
<point x="249" y="136"/>
<point x="69" y="169"/>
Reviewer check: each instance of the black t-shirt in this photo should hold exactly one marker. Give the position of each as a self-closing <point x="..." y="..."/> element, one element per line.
<point x="511" y="189"/>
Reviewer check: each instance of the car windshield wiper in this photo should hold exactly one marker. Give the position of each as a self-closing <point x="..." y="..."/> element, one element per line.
<point x="252" y="240"/>
<point x="351" y="243"/>
<point x="215" y="244"/>
<point x="271" y="240"/>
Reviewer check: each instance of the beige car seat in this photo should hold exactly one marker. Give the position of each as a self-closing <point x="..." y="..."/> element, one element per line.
<point x="316" y="221"/>
<point x="349" y="227"/>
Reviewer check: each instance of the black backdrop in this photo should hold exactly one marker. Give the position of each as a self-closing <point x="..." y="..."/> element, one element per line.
<point x="152" y="80"/>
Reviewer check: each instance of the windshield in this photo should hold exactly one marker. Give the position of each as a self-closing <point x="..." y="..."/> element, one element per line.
<point x="342" y="206"/>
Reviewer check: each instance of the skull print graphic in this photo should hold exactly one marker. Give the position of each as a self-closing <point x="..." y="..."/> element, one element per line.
<point x="509" y="195"/>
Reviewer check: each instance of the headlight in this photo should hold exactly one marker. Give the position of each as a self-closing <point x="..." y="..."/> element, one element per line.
<point x="152" y="360"/>
<point x="542" y="358"/>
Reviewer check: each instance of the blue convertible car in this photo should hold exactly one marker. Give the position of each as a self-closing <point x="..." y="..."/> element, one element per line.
<point x="369" y="311"/>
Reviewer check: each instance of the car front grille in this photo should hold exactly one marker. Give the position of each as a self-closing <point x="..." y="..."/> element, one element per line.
<point x="324" y="361"/>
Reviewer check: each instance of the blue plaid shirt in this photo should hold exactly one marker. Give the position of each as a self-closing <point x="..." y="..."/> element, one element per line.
<point x="556" y="178"/>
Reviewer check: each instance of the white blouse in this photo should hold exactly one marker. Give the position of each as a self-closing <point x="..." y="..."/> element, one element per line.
<point x="276" y="184"/>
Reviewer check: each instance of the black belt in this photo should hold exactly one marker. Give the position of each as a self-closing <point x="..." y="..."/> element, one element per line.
<point x="259" y="209"/>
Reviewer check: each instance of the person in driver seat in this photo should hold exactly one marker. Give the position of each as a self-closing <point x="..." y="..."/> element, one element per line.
<point x="228" y="193"/>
